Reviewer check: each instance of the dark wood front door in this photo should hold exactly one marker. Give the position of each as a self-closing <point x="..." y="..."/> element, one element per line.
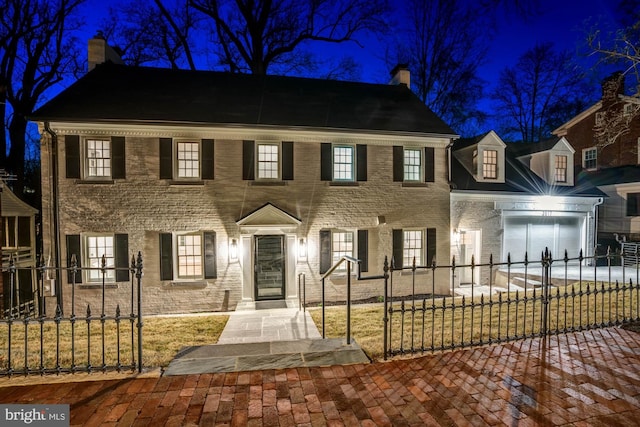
<point x="269" y="267"/>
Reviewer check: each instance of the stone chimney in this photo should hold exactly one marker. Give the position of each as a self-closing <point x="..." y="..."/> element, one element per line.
<point x="400" y="75"/>
<point x="100" y="51"/>
<point x="612" y="86"/>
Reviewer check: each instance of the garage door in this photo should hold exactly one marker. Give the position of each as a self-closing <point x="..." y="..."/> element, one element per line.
<point x="534" y="234"/>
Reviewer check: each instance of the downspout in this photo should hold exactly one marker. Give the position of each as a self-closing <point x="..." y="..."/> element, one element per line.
<point x="596" y="209"/>
<point x="56" y="209"/>
<point x="449" y="147"/>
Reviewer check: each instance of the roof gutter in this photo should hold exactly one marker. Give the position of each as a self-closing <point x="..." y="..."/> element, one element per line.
<point x="56" y="209"/>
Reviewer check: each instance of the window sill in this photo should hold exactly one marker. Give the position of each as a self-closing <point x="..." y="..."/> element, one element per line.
<point x="344" y="184"/>
<point x="111" y="285"/>
<point x="260" y="183"/>
<point x="95" y="181"/>
<point x="178" y="182"/>
<point x="188" y="284"/>
<point x="415" y="184"/>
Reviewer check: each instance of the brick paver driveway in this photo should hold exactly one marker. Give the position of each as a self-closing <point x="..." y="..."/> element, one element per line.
<point x="587" y="378"/>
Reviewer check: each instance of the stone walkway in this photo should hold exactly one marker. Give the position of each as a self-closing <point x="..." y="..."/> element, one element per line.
<point x="581" y="379"/>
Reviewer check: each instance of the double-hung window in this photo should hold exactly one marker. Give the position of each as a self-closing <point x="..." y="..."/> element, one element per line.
<point x="90" y="249"/>
<point x="98" y="163"/>
<point x="99" y="248"/>
<point x="490" y="164"/>
<point x="268" y="161"/>
<point x="412" y="165"/>
<point x="343" y="163"/>
<point x="188" y="256"/>
<point x="410" y="243"/>
<point x="341" y="245"/>
<point x="561" y="169"/>
<point x="590" y="158"/>
<point x="413" y="245"/>
<point x="186" y="161"/>
<point x="94" y="158"/>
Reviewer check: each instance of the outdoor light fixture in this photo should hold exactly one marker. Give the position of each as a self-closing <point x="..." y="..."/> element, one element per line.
<point x="302" y="249"/>
<point x="233" y="250"/>
<point x="456" y="236"/>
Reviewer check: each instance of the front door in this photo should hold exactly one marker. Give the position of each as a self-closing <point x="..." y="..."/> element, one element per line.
<point x="269" y="267"/>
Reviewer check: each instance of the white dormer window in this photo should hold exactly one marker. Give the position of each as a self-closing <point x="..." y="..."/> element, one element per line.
<point x="561" y="169"/>
<point x="490" y="164"/>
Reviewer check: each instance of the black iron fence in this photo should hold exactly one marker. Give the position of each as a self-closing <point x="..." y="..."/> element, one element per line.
<point x="73" y="338"/>
<point x="518" y="300"/>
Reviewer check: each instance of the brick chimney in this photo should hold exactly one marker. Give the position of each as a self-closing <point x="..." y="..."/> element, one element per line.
<point x="612" y="86"/>
<point x="400" y="75"/>
<point x="100" y="51"/>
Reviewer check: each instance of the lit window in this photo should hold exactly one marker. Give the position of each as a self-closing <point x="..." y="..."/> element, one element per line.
<point x="341" y="245"/>
<point x="97" y="247"/>
<point x="189" y="256"/>
<point x="98" y="158"/>
<point x="590" y="158"/>
<point x="561" y="168"/>
<point x="412" y="164"/>
<point x="188" y="154"/>
<point x="343" y="163"/>
<point x="268" y="158"/>
<point x="490" y="164"/>
<point x="412" y="247"/>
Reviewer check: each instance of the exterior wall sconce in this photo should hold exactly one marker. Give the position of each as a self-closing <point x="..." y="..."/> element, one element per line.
<point x="302" y="249"/>
<point x="456" y="236"/>
<point x="233" y="250"/>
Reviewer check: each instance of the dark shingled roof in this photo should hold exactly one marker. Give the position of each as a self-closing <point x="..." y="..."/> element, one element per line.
<point x="119" y="93"/>
<point x="518" y="177"/>
<point x="613" y="175"/>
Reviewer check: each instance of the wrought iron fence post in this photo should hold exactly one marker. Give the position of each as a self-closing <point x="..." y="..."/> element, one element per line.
<point x="348" y="302"/>
<point x="139" y="281"/>
<point x="546" y="267"/>
<point x="385" y="318"/>
<point x="12" y="280"/>
<point x="323" y="310"/>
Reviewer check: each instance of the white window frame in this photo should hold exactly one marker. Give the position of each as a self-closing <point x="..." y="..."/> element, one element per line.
<point x="93" y="163"/>
<point x="561" y="173"/>
<point x="341" y="246"/>
<point x="599" y="118"/>
<point x="406" y="175"/>
<point x="488" y="166"/>
<point x="627" y="109"/>
<point x="189" y="259"/>
<point x="334" y="164"/>
<point x="178" y="162"/>
<point x="594" y="159"/>
<point x="413" y="244"/>
<point x="278" y="161"/>
<point x="94" y="249"/>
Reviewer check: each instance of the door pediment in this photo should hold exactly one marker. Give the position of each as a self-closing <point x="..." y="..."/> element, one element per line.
<point x="268" y="217"/>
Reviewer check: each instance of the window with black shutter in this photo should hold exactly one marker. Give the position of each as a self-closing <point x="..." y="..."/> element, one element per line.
<point x="121" y="257"/>
<point x="210" y="270"/>
<point x="74" y="251"/>
<point x="363" y="250"/>
<point x="325" y="251"/>
<point x="166" y="256"/>
<point x="207" y="167"/>
<point x="248" y="160"/>
<point x="72" y="156"/>
<point x="118" y="157"/>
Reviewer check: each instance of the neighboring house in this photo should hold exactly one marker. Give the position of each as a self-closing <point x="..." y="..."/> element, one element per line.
<point x="606" y="137"/>
<point x="233" y="186"/>
<point x="17" y="243"/>
<point x="517" y="198"/>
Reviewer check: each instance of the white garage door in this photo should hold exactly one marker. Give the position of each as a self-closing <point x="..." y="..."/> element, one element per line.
<point x="534" y="234"/>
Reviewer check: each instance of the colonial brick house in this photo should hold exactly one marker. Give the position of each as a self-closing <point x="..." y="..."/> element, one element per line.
<point x="517" y="198"/>
<point x="235" y="186"/>
<point x="606" y="137"/>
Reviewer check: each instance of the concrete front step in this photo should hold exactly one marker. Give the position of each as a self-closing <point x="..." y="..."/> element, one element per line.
<point x="265" y="355"/>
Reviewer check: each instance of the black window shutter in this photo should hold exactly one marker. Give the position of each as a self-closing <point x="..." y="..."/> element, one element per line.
<point x="121" y="255"/>
<point x="210" y="270"/>
<point x="207" y="169"/>
<point x="398" y="163"/>
<point x="118" y="170"/>
<point x="363" y="250"/>
<point x="431" y="245"/>
<point x="72" y="155"/>
<point x="166" y="158"/>
<point x="398" y="246"/>
<point x="325" y="251"/>
<point x="361" y="162"/>
<point x="166" y="256"/>
<point x="287" y="160"/>
<point x="429" y="165"/>
<point x="73" y="248"/>
<point x="248" y="160"/>
<point x="326" y="161"/>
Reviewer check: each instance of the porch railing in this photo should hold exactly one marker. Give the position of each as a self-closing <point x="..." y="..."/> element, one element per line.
<point x="519" y="300"/>
<point x="85" y="341"/>
<point x="350" y="262"/>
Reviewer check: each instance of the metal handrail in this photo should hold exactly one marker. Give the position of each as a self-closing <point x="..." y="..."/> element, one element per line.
<point x="349" y="260"/>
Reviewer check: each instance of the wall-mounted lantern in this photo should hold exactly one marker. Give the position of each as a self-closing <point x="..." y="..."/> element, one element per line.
<point x="233" y="250"/>
<point x="302" y="249"/>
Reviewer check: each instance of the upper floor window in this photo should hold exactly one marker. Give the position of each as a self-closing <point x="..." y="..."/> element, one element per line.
<point x="633" y="204"/>
<point x="93" y="158"/>
<point x="590" y="158"/>
<point x="490" y="164"/>
<point x="186" y="160"/>
<point x="98" y="163"/>
<point x="412" y="164"/>
<point x="627" y="110"/>
<point x="268" y="161"/>
<point x="561" y="169"/>
<point x="412" y="249"/>
<point x="343" y="163"/>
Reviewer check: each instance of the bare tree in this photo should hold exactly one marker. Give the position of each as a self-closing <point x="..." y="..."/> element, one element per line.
<point x="35" y="53"/>
<point x="257" y="35"/>
<point x="153" y="33"/>
<point x="543" y="90"/>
